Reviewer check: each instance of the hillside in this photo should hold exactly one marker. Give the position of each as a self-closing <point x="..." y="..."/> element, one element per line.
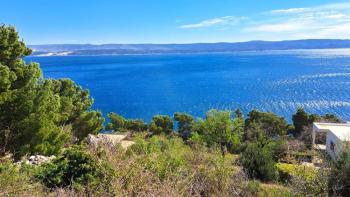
<point x="114" y="49"/>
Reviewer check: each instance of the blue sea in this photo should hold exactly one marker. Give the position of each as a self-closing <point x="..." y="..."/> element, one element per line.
<point x="140" y="86"/>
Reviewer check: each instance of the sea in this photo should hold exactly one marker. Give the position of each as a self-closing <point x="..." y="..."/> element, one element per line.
<point x="141" y="86"/>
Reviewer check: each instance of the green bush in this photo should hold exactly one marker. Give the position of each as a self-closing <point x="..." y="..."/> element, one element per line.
<point x="254" y="187"/>
<point x="303" y="155"/>
<point x="304" y="180"/>
<point x="269" y="190"/>
<point x="339" y="178"/>
<point x="258" y="162"/>
<point x="16" y="180"/>
<point x="78" y="168"/>
<point x="196" y="141"/>
<point x="161" y="124"/>
<point x="278" y="148"/>
<point x="155" y="144"/>
<point x="163" y="156"/>
<point x="168" y="165"/>
<point x="287" y="171"/>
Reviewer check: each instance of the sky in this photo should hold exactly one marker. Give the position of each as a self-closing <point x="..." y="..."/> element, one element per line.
<point x="175" y="21"/>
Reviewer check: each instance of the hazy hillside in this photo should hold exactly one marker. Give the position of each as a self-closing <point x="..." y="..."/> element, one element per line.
<point x="106" y="49"/>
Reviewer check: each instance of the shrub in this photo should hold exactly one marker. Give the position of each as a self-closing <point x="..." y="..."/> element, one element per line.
<point x="287" y="171"/>
<point x="254" y="187"/>
<point x="170" y="164"/>
<point x="162" y="156"/>
<point x="258" y="162"/>
<point x="196" y="142"/>
<point x="161" y="124"/>
<point x="216" y="176"/>
<point x="268" y="190"/>
<point x="278" y="148"/>
<point x="304" y="180"/>
<point x="339" y="178"/>
<point x="15" y="180"/>
<point x="78" y="168"/>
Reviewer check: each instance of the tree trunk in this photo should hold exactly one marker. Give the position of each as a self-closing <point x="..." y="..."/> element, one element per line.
<point x="222" y="146"/>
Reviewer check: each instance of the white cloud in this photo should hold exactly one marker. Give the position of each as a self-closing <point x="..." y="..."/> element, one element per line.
<point x="221" y="21"/>
<point x="289" y="11"/>
<point x="326" y="7"/>
<point x="337" y="16"/>
<point x="326" y="21"/>
<point x="318" y="22"/>
<point x="336" y="6"/>
<point x="289" y="26"/>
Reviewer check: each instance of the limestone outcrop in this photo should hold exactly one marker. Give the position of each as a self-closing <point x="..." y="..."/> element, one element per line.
<point x="110" y="140"/>
<point x="37" y="159"/>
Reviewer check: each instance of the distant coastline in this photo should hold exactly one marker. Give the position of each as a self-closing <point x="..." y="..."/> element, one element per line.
<point x="144" y="49"/>
<point x="282" y="51"/>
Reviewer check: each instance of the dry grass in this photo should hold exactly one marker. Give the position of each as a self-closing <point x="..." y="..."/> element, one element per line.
<point x="275" y="190"/>
<point x="156" y="167"/>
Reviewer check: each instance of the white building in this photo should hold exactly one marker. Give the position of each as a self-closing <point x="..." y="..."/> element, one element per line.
<point x="337" y="135"/>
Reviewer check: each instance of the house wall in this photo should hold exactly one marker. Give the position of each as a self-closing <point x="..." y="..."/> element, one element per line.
<point x="337" y="145"/>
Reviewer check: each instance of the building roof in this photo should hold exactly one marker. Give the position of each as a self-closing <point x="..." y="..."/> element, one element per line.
<point x="341" y="130"/>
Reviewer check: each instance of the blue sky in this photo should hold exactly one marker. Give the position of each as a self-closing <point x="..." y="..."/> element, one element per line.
<point x="175" y="21"/>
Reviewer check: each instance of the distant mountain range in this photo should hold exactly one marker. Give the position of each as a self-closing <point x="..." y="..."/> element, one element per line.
<point x="115" y="49"/>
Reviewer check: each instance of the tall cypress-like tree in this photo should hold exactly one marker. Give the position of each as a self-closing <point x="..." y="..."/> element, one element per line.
<point x="234" y="145"/>
<point x="300" y="120"/>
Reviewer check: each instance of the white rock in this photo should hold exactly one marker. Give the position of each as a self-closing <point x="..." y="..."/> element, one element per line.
<point x="126" y="144"/>
<point x="38" y="159"/>
<point x="109" y="140"/>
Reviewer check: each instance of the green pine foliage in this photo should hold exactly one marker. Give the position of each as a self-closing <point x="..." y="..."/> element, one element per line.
<point x="258" y="162"/>
<point x="77" y="168"/>
<point x="300" y="121"/>
<point x="184" y="124"/>
<point x="271" y="124"/>
<point x="120" y="124"/>
<point x="37" y="115"/>
<point x="161" y="124"/>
